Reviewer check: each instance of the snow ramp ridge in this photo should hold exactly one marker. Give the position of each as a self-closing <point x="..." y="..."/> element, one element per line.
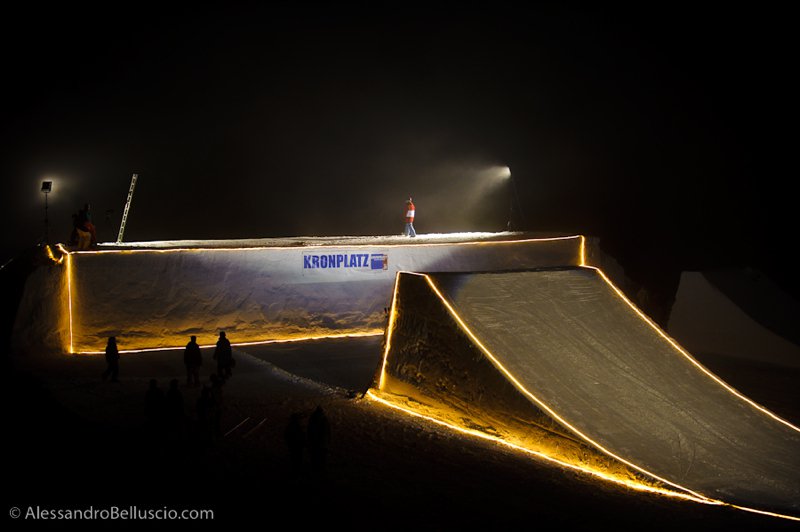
<point x="558" y="362"/>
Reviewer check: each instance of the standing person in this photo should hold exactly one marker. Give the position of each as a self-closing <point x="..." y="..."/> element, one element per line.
<point x="192" y="359"/>
<point x="174" y="416"/>
<point x="85" y="224"/>
<point x="112" y="360"/>
<point x="410" y="212"/>
<point x="174" y="408"/>
<point x="205" y="412"/>
<point x="223" y="354"/>
<point x="217" y="404"/>
<point x="319" y="438"/>
<point x="295" y="438"/>
<point x="154" y="407"/>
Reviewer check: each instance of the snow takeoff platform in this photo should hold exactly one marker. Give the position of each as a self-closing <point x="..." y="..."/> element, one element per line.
<point x="558" y="362"/>
<point x="154" y="295"/>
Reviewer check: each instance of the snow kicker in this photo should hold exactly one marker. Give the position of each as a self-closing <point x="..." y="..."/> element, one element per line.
<point x="559" y="362"/>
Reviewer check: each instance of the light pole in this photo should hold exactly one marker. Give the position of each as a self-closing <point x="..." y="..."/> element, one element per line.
<point x="510" y="225"/>
<point x="47" y="187"/>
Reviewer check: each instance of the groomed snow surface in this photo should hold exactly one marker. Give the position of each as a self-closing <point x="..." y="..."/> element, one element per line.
<point x="77" y="440"/>
<point x="362" y="240"/>
<point x="154" y="295"/>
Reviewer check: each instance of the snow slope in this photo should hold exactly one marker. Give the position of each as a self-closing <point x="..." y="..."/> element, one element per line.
<point x="761" y="326"/>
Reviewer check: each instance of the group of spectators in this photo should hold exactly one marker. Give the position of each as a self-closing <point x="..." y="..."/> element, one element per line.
<point x="165" y="411"/>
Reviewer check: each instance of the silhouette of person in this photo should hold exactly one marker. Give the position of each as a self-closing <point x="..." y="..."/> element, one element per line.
<point x="223" y="354"/>
<point x="154" y="406"/>
<point x="112" y="360"/>
<point x="295" y="438"/>
<point x="215" y="414"/>
<point x="174" y="406"/>
<point x="319" y="437"/>
<point x="192" y="359"/>
<point x="204" y="407"/>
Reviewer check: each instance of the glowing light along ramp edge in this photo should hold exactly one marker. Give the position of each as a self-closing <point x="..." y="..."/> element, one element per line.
<point x="558" y="362"/>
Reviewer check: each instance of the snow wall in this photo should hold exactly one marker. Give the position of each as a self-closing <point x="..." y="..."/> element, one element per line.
<point x="42" y="319"/>
<point x="706" y="320"/>
<point x="156" y="298"/>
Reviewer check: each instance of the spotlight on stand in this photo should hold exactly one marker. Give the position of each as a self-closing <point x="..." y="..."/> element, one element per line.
<point x="513" y="219"/>
<point x="47" y="187"/>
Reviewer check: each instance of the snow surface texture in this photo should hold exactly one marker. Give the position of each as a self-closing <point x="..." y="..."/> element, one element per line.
<point x="573" y="343"/>
<point x="306" y="241"/>
<point x="158" y="294"/>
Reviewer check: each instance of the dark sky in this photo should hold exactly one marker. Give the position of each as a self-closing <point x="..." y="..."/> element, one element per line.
<point x="661" y="128"/>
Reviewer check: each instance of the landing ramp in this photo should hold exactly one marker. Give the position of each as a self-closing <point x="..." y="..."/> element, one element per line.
<point x="569" y="347"/>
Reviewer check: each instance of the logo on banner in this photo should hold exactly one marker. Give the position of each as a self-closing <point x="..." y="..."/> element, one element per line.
<point x="349" y="261"/>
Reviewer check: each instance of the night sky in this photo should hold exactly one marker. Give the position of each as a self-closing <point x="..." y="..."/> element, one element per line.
<point x="662" y="129"/>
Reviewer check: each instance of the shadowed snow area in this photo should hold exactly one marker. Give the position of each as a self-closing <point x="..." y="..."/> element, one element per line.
<point x="78" y="441"/>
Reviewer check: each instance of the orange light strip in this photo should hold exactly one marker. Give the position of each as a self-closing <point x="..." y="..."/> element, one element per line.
<point x="369" y="333"/>
<point x="67" y="260"/>
<point x="688" y="356"/>
<point x="69" y="300"/>
<point x="534" y="398"/>
<point x="51" y="256"/>
<point x="389" y="329"/>
<point x="617" y="480"/>
<point x="764" y="512"/>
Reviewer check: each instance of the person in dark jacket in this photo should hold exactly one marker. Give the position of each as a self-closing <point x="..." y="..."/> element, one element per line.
<point x="112" y="360"/>
<point x="319" y="438"/>
<point x="223" y="354"/>
<point x="295" y="437"/>
<point x="154" y="407"/>
<point x="217" y="405"/>
<point x="174" y="407"/>
<point x="192" y="359"/>
<point x="205" y="412"/>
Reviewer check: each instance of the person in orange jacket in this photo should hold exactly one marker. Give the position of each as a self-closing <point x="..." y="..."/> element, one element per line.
<point x="410" y="211"/>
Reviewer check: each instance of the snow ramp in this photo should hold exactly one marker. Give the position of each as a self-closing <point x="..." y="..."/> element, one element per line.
<point x="559" y="362"/>
<point x="738" y="313"/>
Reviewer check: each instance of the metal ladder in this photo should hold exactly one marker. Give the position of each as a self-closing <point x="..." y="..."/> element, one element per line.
<point x="127" y="207"/>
